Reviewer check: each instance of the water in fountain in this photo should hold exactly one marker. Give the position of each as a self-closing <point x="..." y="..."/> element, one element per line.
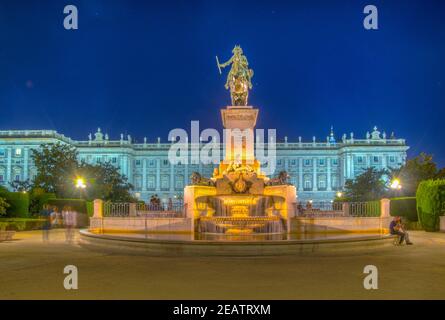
<point x="251" y="218"/>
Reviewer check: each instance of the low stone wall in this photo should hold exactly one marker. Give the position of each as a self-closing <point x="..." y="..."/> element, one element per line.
<point x="140" y="224"/>
<point x="339" y="224"/>
<point x="298" y="225"/>
<point x="442" y="223"/>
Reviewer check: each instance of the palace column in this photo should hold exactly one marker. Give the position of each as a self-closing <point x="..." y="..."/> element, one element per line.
<point x="352" y="174"/>
<point x="314" y="174"/>
<point x="384" y="162"/>
<point x="172" y="178"/>
<point x="300" y="174"/>
<point x="8" y="165"/>
<point x="144" y="174"/>
<point x="25" y="164"/>
<point x="328" y="165"/>
<point x="158" y="174"/>
<point x="286" y="164"/>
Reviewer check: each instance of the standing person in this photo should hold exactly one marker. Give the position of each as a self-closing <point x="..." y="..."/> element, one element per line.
<point x="46" y="214"/>
<point x="54" y="217"/>
<point x="69" y="220"/>
<point x="396" y="228"/>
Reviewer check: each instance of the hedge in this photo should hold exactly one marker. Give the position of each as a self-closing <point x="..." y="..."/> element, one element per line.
<point x="18" y="201"/>
<point x="78" y="205"/>
<point x="21" y="224"/>
<point x="430" y="196"/>
<point x="404" y="207"/>
<point x="38" y="198"/>
<point x="90" y="208"/>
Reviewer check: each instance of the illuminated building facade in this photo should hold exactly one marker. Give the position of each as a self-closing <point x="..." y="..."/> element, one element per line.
<point x="317" y="169"/>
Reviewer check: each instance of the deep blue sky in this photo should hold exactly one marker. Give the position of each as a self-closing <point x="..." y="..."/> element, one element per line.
<point x="144" y="68"/>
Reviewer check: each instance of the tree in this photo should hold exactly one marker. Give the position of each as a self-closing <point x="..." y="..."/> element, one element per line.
<point x="414" y="171"/>
<point x="105" y="182"/>
<point x="367" y="186"/>
<point x="21" y="186"/>
<point x="3" y="206"/>
<point x="56" y="165"/>
<point x="58" y="169"/>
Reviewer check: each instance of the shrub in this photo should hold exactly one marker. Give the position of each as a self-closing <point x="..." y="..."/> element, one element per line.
<point x="18" y="203"/>
<point x="430" y="196"/>
<point x="3" y="206"/>
<point x="404" y="207"/>
<point x="78" y="205"/>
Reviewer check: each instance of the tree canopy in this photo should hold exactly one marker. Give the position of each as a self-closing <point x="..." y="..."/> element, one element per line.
<point x="58" y="168"/>
<point x="370" y="185"/>
<point x="416" y="170"/>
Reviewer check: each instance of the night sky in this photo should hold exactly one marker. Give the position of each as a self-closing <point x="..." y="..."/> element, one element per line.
<point x="143" y="68"/>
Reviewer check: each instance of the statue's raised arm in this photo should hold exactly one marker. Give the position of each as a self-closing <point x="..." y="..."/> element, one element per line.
<point x="239" y="78"/>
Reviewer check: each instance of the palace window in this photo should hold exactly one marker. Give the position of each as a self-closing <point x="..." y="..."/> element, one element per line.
<point x="376" y="159"/>
<point x="321" y="162"/>
<point x="18" y="152"/>
<point x="279" y="162"/>
<point x="392" y="159"/>
<point x="293" y="162"/>
<point x="359" y="159"/>
<point x="137" y="163"/>
<point x="179" y="182"/>
<point x="335" y="162"/>
<point x="17" y="177"/>
<point x="165" y="182"/>
<point x="151" y="163"/>
<point x="307" y="162"/>
<point x="307" y="185"/>
<point x="151" y="182"/>
<point x="2" y="152"/>
<point x="113" y="160"/>
<point x="334" y="182"/>
<point x="165" y="162"/>
<point x="138" y="182"/>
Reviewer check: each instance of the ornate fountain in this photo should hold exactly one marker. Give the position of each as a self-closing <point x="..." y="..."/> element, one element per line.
<point x="239" y="199"/>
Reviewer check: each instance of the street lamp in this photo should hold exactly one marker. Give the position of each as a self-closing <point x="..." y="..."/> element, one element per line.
<point x="339" y="194"/>
<point x="395" y="184"/>
<point x="80" y="184"/>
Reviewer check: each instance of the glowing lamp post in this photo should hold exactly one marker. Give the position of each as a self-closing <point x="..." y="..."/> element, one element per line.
<point x="80" y="185"/>
<point x="395" y="184"/>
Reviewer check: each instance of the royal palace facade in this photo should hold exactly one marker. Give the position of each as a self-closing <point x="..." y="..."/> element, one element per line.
<point x="317" y="169"/>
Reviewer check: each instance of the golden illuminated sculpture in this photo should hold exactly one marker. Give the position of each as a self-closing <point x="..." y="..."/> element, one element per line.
<point x="239" y="198"/>
<point x="239" y="78"/>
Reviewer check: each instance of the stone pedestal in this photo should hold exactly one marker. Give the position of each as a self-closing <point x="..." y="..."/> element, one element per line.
<point x="239" y="123"/>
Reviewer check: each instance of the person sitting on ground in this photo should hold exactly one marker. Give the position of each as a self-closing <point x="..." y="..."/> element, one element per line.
<point x="396" y="228"/>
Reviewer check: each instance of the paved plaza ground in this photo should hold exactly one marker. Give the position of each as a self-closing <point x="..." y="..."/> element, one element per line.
<point x="31" y="269"/>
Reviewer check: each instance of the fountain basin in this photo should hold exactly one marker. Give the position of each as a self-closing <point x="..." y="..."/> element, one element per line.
<point x="244" y="246"/>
